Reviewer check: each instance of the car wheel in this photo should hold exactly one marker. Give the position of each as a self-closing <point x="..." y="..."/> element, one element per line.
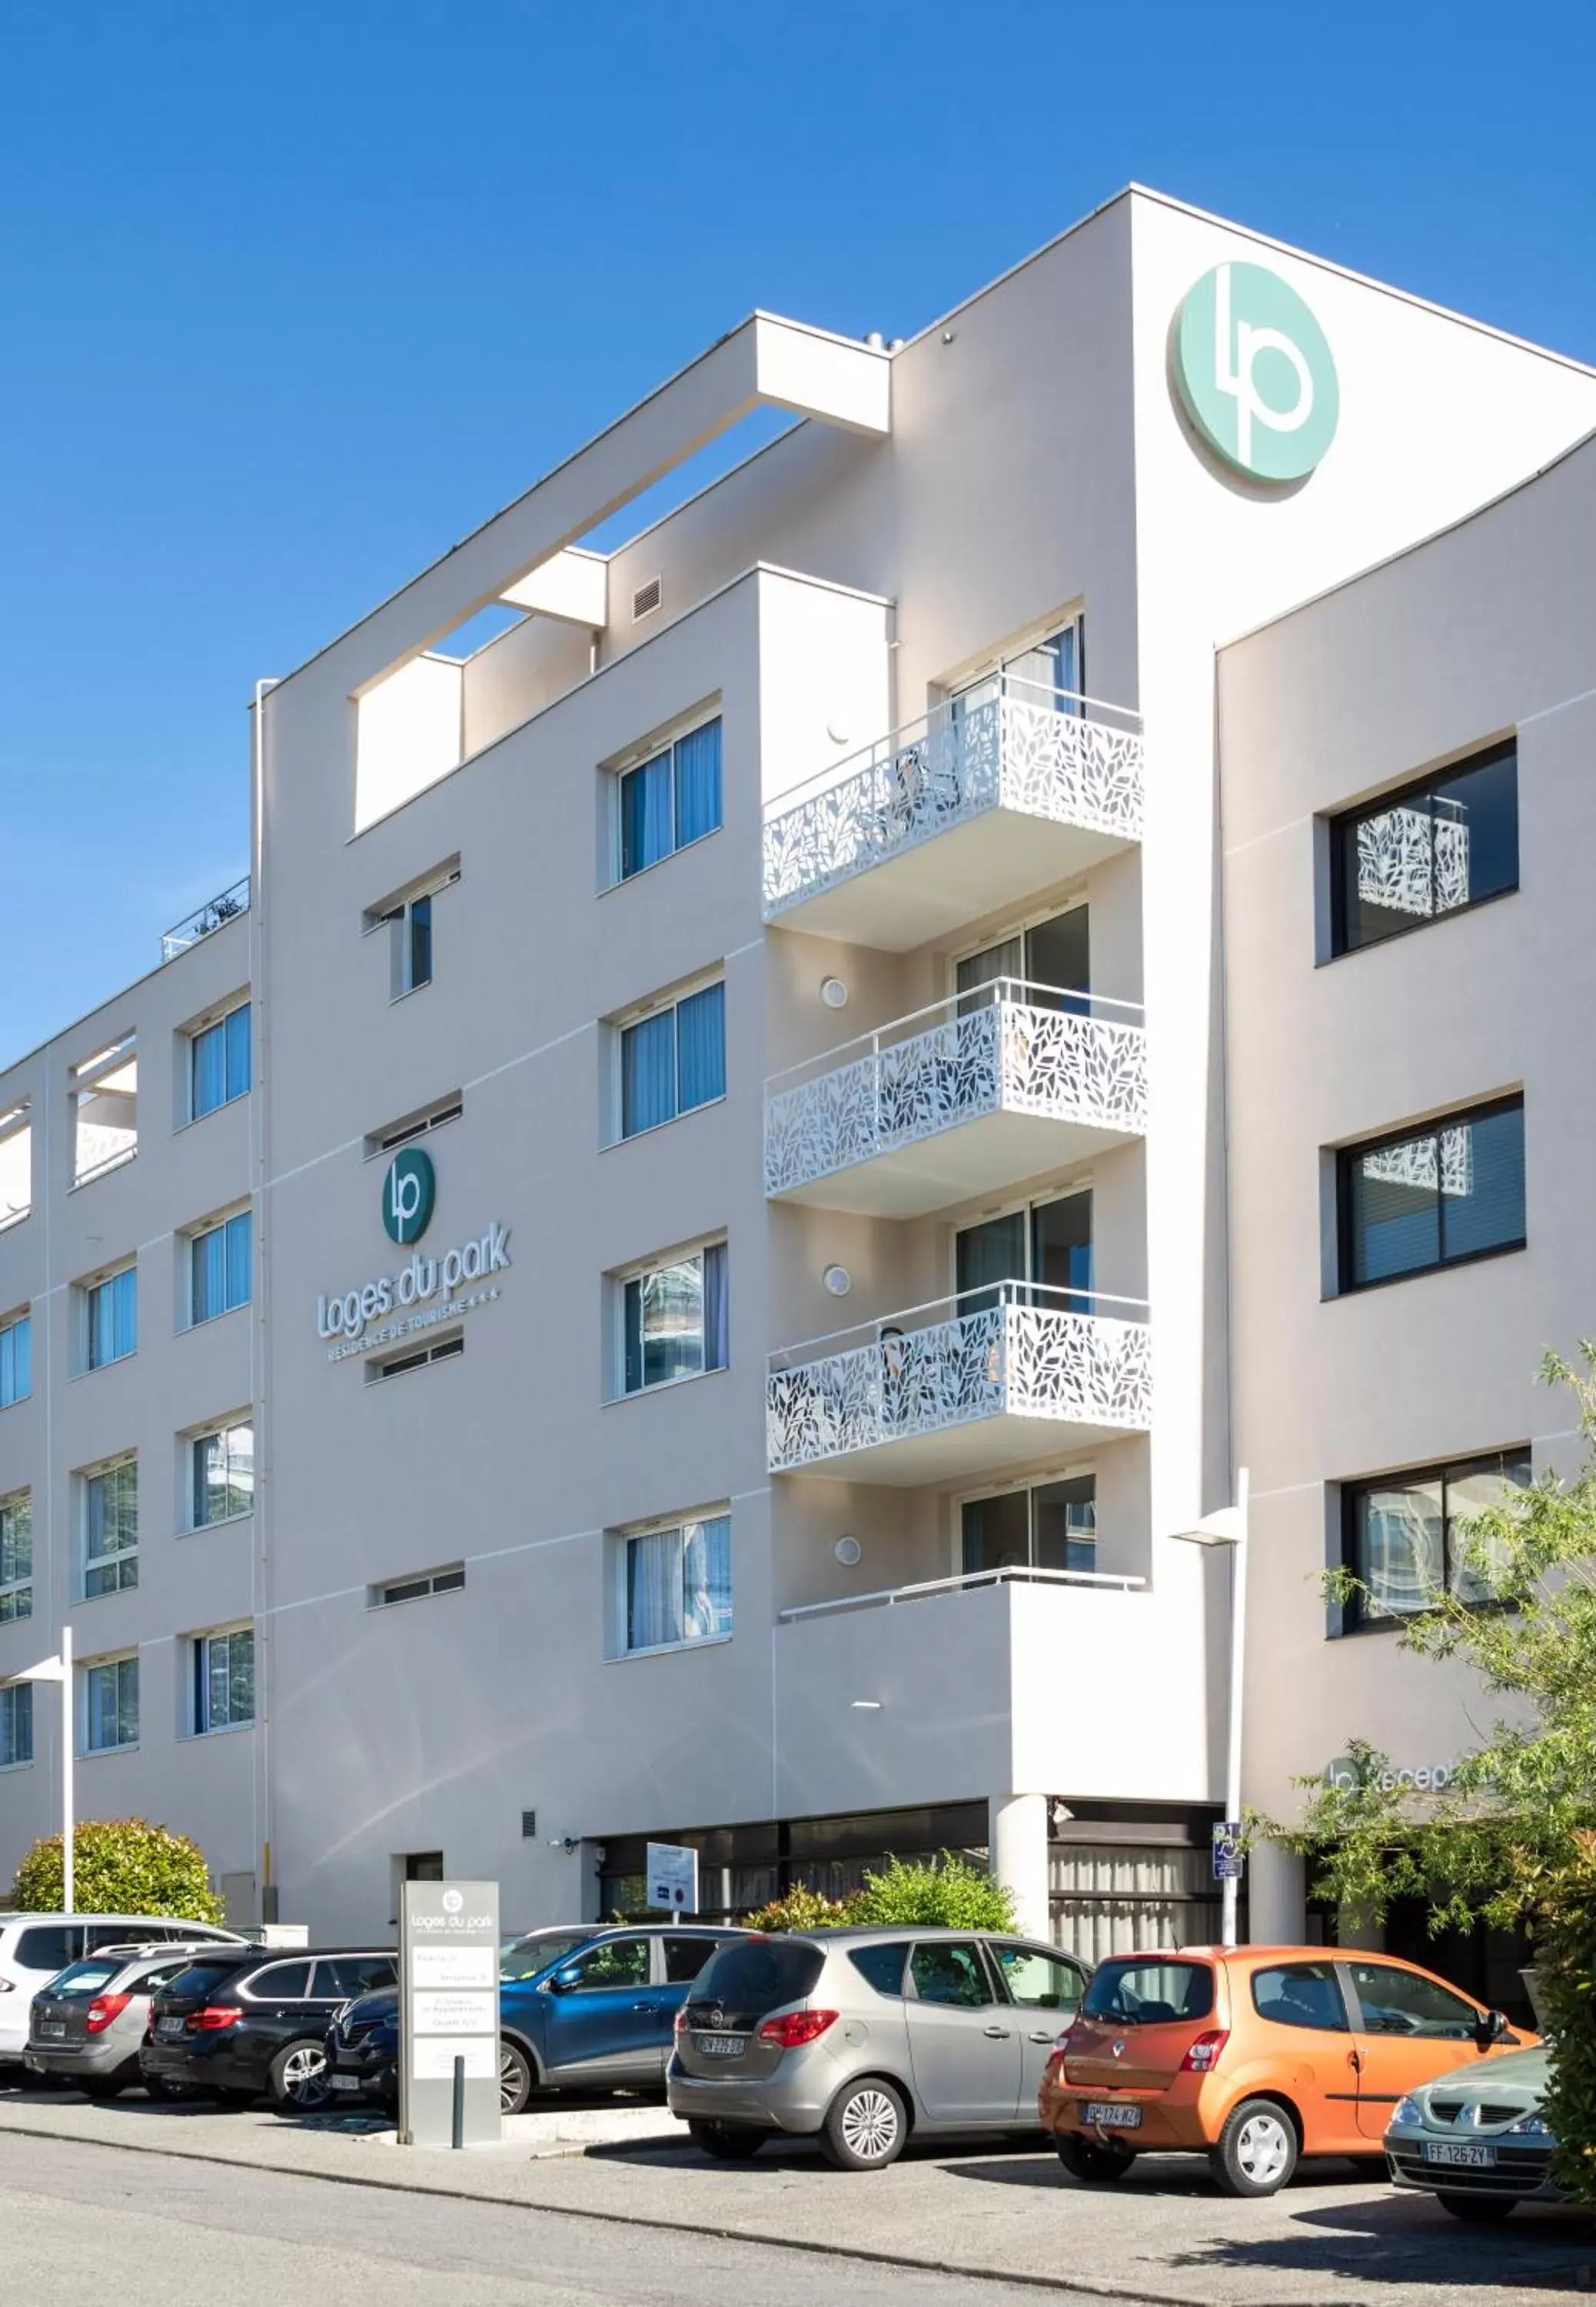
<point x="1258" y="2149"/>
<point x="163" y="2086"/>
<point x="728" y="2143"/>
<point x="865" y="2127"/>
<point x="297" y="2078"/>
<point x="1086" y="2160"/>
<point x="1483" y="2209"/>
<point x="515" y="2078"/>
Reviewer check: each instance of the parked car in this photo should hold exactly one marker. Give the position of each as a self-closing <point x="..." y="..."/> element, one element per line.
<point x="240" y="2030"/>
<point x="1253" y="2056"/>
<point x="1476" y="2139"/>
<point x="36" y="1948"/>
<point x="362" y="2049"/>
<point x="86" y="2026"/>
<point x="858" y="2036"/>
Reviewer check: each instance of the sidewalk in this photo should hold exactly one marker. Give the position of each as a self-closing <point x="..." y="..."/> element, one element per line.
<point x="1163" y="2235"/>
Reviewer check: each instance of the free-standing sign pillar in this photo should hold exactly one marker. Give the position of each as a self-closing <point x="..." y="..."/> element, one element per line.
<point x="449" y="2015"/>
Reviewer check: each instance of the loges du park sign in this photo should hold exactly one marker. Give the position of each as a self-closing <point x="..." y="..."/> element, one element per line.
<point x="429" y="1288"/>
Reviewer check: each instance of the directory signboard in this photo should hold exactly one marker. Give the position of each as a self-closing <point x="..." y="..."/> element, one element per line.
<point x="448" y="2012"/>
<point x="673" y="1877"/>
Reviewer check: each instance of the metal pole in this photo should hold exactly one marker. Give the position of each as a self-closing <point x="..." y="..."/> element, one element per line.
<point x="69" y="1883"/>
<point x="458" y="2116"/>
<point x="1230" y="1887"/>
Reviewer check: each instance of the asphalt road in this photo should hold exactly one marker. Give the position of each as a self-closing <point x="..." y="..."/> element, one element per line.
<point x="81" y="2222"/>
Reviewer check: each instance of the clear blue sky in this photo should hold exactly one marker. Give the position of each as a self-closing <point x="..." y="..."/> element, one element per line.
<point x="295" y="296"/>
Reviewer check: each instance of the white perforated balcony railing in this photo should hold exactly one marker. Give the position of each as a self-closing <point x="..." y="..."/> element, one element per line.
<point x="974" y="1092"/>
<point x="987" y="797"/>
<point x="961" y="1384"/>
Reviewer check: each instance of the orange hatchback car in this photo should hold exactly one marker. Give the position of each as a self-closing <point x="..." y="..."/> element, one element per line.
<point x="1251" y="2056"/>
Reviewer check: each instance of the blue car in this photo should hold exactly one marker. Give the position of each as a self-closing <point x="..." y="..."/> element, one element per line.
<point x="598" y="2014"/>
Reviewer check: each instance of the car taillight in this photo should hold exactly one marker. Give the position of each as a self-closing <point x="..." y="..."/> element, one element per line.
<point x="1203" y="2056"/>
<point x="214" y="2015"/>
<point x="102" y="2011"/>
<point x="796" y="2027"/>
<point x="681" y="2020"/>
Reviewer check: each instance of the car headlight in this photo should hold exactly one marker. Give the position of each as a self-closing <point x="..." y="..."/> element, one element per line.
<point x="1407" y="2115"/>
<point x="1529" y="2126"/>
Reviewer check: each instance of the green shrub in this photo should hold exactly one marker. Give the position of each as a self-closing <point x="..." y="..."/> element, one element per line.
<point x="121" y="1866"/>
<point x="802" y="1910"/>
<point x="1565" y="1997"/>
<point x="944" y="1891"/>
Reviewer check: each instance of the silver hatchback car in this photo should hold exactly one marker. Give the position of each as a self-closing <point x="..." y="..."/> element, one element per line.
<point x="86" y="2026"/>
<point x="858" y="2038"/>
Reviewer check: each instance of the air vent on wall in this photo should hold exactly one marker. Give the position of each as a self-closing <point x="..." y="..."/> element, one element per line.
<point x="646" y="599"/>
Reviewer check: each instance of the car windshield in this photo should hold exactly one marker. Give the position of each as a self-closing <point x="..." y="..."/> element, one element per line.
<point x="524" y="1957"/>
<point x="759" y="1975"/>
<point x="87" y="1977"/>
<point x="1149" y="1994"/>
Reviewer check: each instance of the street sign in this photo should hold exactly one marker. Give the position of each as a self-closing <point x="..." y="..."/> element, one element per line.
<point x="448" y="2012"/>
<point x="673" y="1878"/>
<point x="1230" y="1859"/>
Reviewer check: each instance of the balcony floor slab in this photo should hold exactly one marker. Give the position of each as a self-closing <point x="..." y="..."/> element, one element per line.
<point x="993" y="1152"/>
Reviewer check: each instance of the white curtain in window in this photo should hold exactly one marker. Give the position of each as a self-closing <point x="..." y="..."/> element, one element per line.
<point x="654" y="1590"/>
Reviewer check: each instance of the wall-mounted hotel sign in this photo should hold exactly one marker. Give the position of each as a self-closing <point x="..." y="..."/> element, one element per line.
<point x="425" y="1291"/>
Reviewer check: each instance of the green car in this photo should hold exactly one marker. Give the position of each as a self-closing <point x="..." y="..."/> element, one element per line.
<point x="1475" y="2138"/>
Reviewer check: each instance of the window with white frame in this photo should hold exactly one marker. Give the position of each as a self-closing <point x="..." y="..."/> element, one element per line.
<point x="16" y="1556"/>
<point x="670" y="800"/>
<point x="16" y="1166"/>
<point x="111" y="1704"/>
<point x="16" y="1725"/>
<point x="219" y="1268"/>
<point x="674" y="1319"/>
<point x="221" y="1472"/>
<point x="110" y="1496"/>
<point x="673" y="1060"/>
<point x="219" y="1062"/>
<point x="675" y="1583"/>
<point x="110" y="1316"/>
<point x="223" y="1685"/>
<point x="16" y="1359"/>
<point x="407" y="917"/>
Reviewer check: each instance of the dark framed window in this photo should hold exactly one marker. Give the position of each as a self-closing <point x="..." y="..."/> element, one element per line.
<point x="1418" y="1200"/>
<point x="1445" y="843"/>
<point x="1403" y="1537"/>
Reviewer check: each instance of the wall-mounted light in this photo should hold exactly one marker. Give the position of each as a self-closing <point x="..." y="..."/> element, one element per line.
<point x="568" y="1843"/>
<point x="838" y="1281"/>
<point x="847" y="1551"/>
<point x="834" y="992"/>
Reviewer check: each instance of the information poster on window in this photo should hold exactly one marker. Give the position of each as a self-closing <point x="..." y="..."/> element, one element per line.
<point x="448" y="2013"/>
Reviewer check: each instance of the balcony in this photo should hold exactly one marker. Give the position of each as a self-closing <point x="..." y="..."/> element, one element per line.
<point x="208" y="918"/>
<point x="987" y="799"/>
<point x="991" y="1378"/>
<point x="957" y="1100"/>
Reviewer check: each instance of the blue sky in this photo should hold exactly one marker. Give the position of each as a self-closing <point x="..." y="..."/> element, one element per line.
<point x="295" y="295"/>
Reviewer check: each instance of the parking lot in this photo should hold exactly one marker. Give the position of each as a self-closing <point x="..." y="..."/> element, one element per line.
<point x="990" y="2211"/>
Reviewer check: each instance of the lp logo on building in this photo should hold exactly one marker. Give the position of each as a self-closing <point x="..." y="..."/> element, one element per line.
<point x="1256" y="373"/>
<point x="408" y="1193"/>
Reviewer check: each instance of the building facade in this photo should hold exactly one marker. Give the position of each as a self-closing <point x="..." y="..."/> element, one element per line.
<point x="677" y="1271"/>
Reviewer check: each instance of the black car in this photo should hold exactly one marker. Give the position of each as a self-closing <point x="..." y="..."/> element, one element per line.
<point x="362" y="2049"/>
<point x="241" y="2030"/>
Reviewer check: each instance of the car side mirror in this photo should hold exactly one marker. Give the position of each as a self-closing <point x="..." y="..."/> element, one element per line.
<point x="563" y="1981"/>
<point x="1493" y="2025"/>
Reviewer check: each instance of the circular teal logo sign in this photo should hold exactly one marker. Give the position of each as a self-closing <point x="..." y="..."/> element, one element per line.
<point x="408" y="1193"/>
<point x="1256" y="373"/>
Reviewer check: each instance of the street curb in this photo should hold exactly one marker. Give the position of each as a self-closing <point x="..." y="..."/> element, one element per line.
<point x="1140" y="2297"/>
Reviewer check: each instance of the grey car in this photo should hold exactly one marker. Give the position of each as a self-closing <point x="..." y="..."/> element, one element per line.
<point x="858" y="2037"/>
<point x="85" y="2027"/>
<point x="1476" y="2139"/>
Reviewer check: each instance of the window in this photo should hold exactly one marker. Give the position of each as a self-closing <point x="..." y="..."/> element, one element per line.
<point x="951" y="1971"/>
<point x="222" y="1473"/>
<point x="16" y="1556"/>
<point x="413" y="1590"/>
<point x="16" y="1733"/>
<point x="685" y="1959"/>
<point x="111" y="1529"/>
<point x="1301" y="1994"/>
<point x="673" y="1060"/>
<point x="1037" y="1981"/>
<point x="49" y="1947"/>
<point x="224" y="1680"/>
<point x="423" y="1865"/>
<point x="1446" y="843"/>
<point x="219" y="1264"/>
<point x="613" y="1962"/>
<point x="882" y="1967"/>
<point x="16" y="1360"/>
<point x="1050" y="672"/>
<point x="1050" y="1527"/>
<point x="111" y="1319"/>
<point x="414" y="1358"/>
<point x="1433" y="1196"/>
<point x="104" y="1090"/>
<point x="1148" y="1994"/>
<point x="113" y="1693"/>
<point x="1406" y="1538"/>
<point x="1395" y="2002"/>
<point x="219" y="1062"/>
<point x="671" y="800"/>
<point x="358" y="1974"/>
<point x="408" y="916"/>
<point x="395" y="1134"/>
<point x="280" y="1982"/>
<point x="1047" y="1243"/>
<point x="674" y="1319"/>
<point x="1050" y="959"/>
<point x="678" y="1584"/>
<point x="16" y="1166"/>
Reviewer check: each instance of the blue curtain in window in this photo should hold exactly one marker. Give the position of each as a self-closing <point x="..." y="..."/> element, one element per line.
<point x="210" y="1273"/>
<point x="645" y="829"/>
<point x="716" y="1325"/>
<point x="648" y="1073"/>
<point x="239" y="1231"/>
<point x="114" y="1319"/>
<point x="700" y="1047"/>
<point x="237" y="1029"/>
<point x="698" y="784"/>
<point x="210" y="1070"/>
<point x="16" y="1362"/>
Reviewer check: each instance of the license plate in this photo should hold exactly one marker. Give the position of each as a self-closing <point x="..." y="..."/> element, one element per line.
<point x="1111" y="2114"/>
<point x="167" y="2028"/>
<point x="345" y="2082"/>
<point x="722" y="2046"/>
<point x="1474" y="2158"/>
<point x="52" y="2027"/>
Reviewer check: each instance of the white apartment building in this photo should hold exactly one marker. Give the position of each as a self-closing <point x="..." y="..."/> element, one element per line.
<point x="678" y="1271"/>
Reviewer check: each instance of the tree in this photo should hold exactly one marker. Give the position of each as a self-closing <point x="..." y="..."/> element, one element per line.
<point x="121" y="1867"/>
<point x="1512" y="1835"/>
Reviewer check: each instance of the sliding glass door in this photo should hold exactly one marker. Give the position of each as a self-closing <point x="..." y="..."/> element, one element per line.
<point x="1054" y="956"/>
<point x="1049" y="1243"/>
